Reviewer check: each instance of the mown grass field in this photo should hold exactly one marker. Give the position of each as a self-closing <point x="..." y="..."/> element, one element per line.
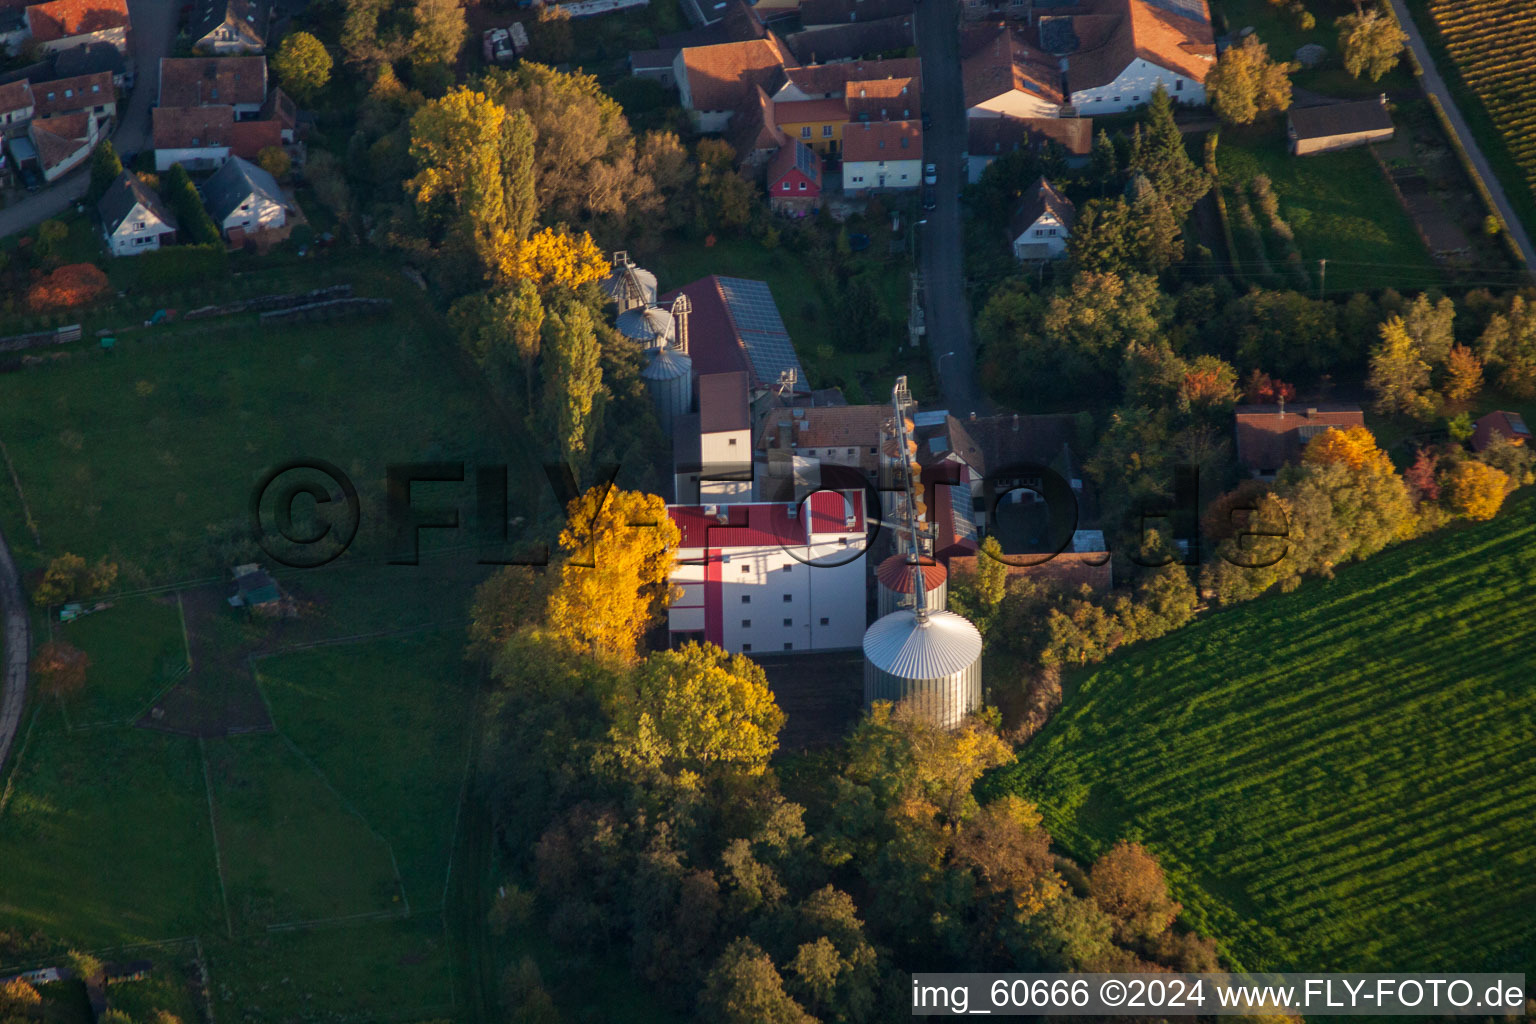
<point x="136" y="647"/>
<point x="1337" y="779"/>
<point x="1338" y="204"/>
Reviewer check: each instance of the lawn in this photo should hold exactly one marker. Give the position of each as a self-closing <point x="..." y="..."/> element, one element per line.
<point x="1340" y="207"/>
<point x="136" y="649"/>
<point x="1336" y="779"/>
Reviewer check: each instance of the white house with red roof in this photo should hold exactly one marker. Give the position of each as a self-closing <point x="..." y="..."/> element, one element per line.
<point x="772" y="577"/>
<point x="64" y="24"/>
<point x="882" y="154"/>
<point x="794" y="179"/>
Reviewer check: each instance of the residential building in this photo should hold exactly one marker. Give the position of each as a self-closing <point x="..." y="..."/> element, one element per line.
<point x="713" y="82"/>
<point x="244" y="200"/>
<point x="838" y="435"/>
<point x="94" y="93"/>
<point x="16" y="104"/>
<point x="89" y="58"/>
<point x="754" y="134"/>
<point x="1269" y="436"/>
<point x="63" y="142"/>
<point x="1335" y="126"/>
<point x="858" y="40"/>
<point x="133" y="217"/>
<point x="882" y="154"/>
<point x="1003" y="74"/>
<point x="279" y="107"/>
<point x="63" y="24"/>
<point x="238" y="82"/>
<point x="734" y="325"/>
<point x="1001" y="455"/>
<point x="770" y="577"/>
<point x="1116" y="52"/>
<point x="230" y="26"/>
<point x="794" y="179"/>
<point x="1510" y="425"/>
<point x="816" y="103"/>
<point x="988" y="138"/>
<point x="202" y="138"/>
<point x="1041" y="224"/>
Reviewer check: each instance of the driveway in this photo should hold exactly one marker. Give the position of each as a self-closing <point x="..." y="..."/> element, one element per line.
<point x="17" y="649"/>
<point x="941" y="252"/>
<point x="153" y="35"/>
<point x="1435" y="86"/>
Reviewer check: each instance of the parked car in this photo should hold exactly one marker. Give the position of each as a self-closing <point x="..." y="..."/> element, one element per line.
<point x="930" y="197"/>
<point x="931" y="174"/>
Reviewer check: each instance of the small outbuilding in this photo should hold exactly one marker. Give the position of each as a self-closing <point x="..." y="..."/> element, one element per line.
<point x="256" y="591"/>
<point x="1509" y="424"/>
<point x="1042" y="223"/>
<point x="1335" y="126"/>
<point x="794" y="179"/>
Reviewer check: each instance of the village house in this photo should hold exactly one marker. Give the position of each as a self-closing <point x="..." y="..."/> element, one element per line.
<point x="1117" y="52"/>
<point x="837" y="435"/>
<point x="94" y="94"/>
<point x="713" y="82"/>
<point x="133" y="217"/>
<point x="230" y="26"/>
<point x="238" y="82"/>
<point x="768" y="577"/>
<point x="857" y="40"/>
<point x="794" y="179"/>
<point x="64" y="142"/>
<point x="882" y="154"/>
<point x="988" y="138"/>
<point x="16" y="104"/>
<point x="202" y="138"/>
<point x="1041" y="224"/>
<point x="1335" y="126"/>
<point x="90" y="58"/>
<point x="1003" y="75"/>
<point x="816" y="103"/>
<point x="245" y="200"/>
<point x="1510" y="425"/>
<point x="754" y="135"/>
<point x="1269" y="436"/>
<point x="63" y="24"/>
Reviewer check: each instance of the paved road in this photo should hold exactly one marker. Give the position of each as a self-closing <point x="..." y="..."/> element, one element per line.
<point x="154" y="32"/>
<point x="1435" y="86"/>
<point x="17" y="649"/>
<point x="941" y="252"/>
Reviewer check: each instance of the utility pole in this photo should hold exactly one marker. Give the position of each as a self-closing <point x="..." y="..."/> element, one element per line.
<point x="1322" y="275"/>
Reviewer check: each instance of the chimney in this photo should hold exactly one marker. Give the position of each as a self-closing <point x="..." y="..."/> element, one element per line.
<point x="973" y="415"/>
<point x="1311" y="412"/>
<point x="1281" y="397"/>
<point x="681" y="307"/>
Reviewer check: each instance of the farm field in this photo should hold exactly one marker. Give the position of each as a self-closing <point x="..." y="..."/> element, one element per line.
<point x="1486" y="50"/>
<point x="1339" y="207"/>
<point x="1354" y="796"/>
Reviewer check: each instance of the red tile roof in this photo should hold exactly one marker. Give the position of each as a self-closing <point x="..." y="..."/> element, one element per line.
<point x="1141" y="29"/>
<point x="60" y="19"/>
<point x="721" y="77"/>
<point x="796" y="112"/>
<point x="822" y="79"/>
<point x="789" y="157"/>
<point x="15" y="96"/>
<point x="1267" y="438"/>
<point x="882" y="140"/>
<point x="993" y="136"/>
<point x="1510" y="424"/>
<point x="59" y="138"/>
<point x="893" y="99"/>
<point x="249" y="138"/>
<point x="79" y="93"/>
<point x="996" y="59"/>
<point x="192" y="127"/>
<point x="195" y="81"/>
<point x="826" y="426"/>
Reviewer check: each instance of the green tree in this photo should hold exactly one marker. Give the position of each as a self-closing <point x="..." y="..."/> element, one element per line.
<point x="69" y="577"/>
<point x="181" y="196"/>
<point x="106" y="167"/>
<point x="457" y="143"/>
<point x="1247" y="83"/>
<point x="1508" y="347"/>
<point x="82" y="965"/>
<point x="275" y="161"/>
<point x="439" y="31"/>
<point x="1088" y="327"/>
<point x="687" y="713"/>
<point x="303" y="66"/>
<point x="744" y="987"/>
<point x="573" y="377"/>
<point x="1431" y="325"/>
<point x="1102" y="163"/>
<point x="991" y="574"/>
<point x="1399" y="375"/>
<point x="1161" y="154"/>
<point x="1370" y="43"/>
<point x="50" y="236"/>
<point x="519" y="175"/>
<point x="499" y="326"/>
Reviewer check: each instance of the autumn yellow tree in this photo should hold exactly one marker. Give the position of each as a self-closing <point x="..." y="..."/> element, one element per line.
<point x="684" y="713"/>
<point x="1463" y="375"/>
<point x="69" y="577"/>
<point x="1355" y="447"/>
<point x="550" y="259"/>
<point x="457" y="143"/>
<point x="18" y="999"/>
<point x="928" y="769"/>
<point x="1247" y="83"/>
<point x="1400" y="375"/>
<point x="615" y="579"/>
<point x="1476" y="490"/>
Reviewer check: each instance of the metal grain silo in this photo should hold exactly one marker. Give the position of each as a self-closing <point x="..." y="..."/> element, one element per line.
<point x="893" y="583"/>
<point x="649" y="325"/>
<point x="629" y="286"/>
<point x="669" y="379"/>
<point x="930" y="658"/>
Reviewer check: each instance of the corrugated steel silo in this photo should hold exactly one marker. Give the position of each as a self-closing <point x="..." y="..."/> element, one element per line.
<point x="669" y="379"/>
<point x="649" y="325"/>
<point x="893" y="583"/>
<point x="930" y="658"/>
<point x="629" y="286"/>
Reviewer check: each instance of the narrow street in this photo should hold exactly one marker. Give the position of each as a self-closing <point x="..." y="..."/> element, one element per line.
<point x="940" y="241"/>
<point x="17" y="649"/>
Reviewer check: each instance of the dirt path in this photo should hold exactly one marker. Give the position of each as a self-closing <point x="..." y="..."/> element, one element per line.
<point x="17" y="649"/>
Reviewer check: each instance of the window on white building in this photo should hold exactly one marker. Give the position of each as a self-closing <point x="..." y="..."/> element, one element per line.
<point x="789" y="647"/>
<point x="745" y="648"/>
<point x="788" y="598"/>
<point x="825" y="620"/>
<point x="746" y="623"/>
<point x="746" y="598"/>
<point x="746" y="568"/>
<point x="1178" y="85"/>
<point x="789" y="568"/>
<point x="789" y="622"/>
<point x="1117" y="99"/>
<point x="731" y="442"/>
<point x="1039" y="232"/>
<point x="1135" y="99"/>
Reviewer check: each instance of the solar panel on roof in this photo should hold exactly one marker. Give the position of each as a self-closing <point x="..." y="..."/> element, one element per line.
<point x="1195" y="10"/>
<point x="752" y="310"/>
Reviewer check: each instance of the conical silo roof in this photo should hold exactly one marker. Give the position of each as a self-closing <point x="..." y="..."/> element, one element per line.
<point x="926" y="645"/>
<point x="648" y="324"/>
<point x="895" y="573"/>
<point x="667" y="364"/>
<point x="629" y="286"/>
